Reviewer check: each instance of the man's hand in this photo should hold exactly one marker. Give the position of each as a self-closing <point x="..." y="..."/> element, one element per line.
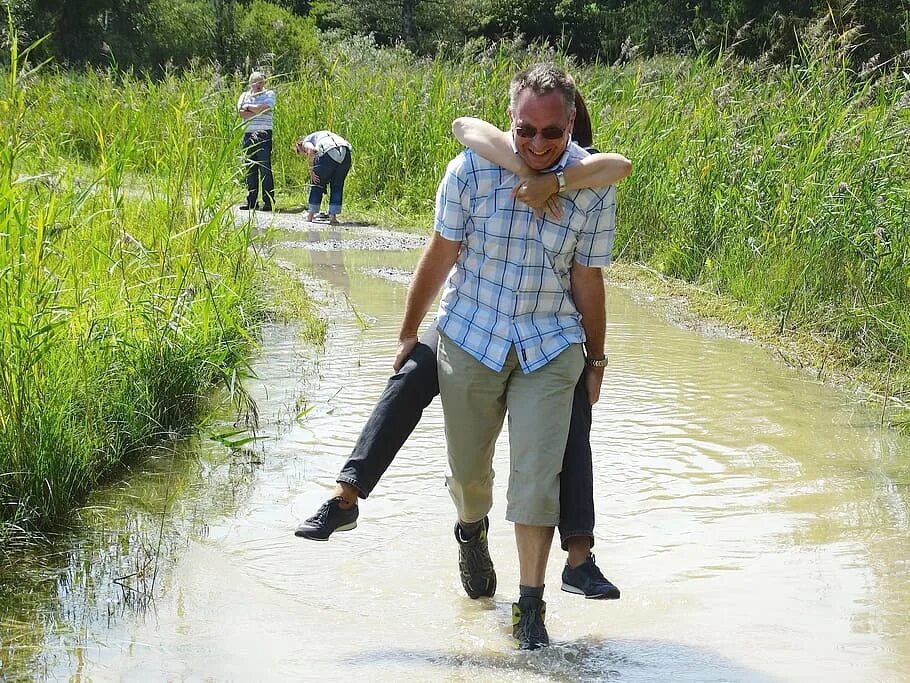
<point x="594" y="378"/>
<point x="314" y="177"/>
<point x="405" y="347"/>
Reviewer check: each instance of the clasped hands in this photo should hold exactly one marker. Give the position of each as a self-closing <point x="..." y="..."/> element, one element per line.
<point x="540" y="192"/>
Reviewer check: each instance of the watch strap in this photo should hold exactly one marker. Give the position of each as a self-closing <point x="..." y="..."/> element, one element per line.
<point x="561" y="179"/>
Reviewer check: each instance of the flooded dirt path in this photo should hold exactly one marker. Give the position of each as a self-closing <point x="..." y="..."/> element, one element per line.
<point x="756" y="521"/>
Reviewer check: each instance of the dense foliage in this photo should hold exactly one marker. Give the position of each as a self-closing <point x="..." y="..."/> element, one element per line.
<point x="121" y="302"/>
<point x="785" y="187"/>
<point x="150" y="33"/>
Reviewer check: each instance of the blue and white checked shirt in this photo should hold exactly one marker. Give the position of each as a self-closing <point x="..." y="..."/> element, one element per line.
<point x="510" y="284"/>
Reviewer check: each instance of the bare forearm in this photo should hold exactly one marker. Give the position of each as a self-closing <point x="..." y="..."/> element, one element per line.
<point x="491" y="143"/>
<point x="598" y="170"/>
<point x="588" y="292"/>
<point x="250" y="110"/>
<point x="433" y="268"/>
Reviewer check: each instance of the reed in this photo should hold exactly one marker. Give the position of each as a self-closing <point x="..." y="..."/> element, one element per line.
<point x="126" y="288"/>
<point x="785" y="187"/>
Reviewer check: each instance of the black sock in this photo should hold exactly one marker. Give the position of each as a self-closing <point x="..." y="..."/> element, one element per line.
<point x="530" y="591"/>
<point x="469" y="529"/>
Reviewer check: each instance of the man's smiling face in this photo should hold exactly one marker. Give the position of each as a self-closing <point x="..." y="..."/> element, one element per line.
<point x="541" y="126"/>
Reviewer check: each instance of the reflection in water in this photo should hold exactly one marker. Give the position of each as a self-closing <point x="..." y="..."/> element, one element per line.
<point x="755" y="520"/>
<point x="57" y="597"/>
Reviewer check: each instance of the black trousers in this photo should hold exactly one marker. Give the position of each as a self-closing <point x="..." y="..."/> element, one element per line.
<point x="400" y="408"/>
<point x="258" y="148"/>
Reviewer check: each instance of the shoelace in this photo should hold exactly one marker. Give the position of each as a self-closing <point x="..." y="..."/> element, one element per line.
<point x="322" y="514"/>
<point x="595" y="570"/>
<point x="473" y="551"/>
<point x="534" y="622"/>
<point x="475" y="555"/>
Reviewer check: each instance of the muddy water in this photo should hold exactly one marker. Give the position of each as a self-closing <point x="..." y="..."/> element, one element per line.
<point x="756" y="521"/>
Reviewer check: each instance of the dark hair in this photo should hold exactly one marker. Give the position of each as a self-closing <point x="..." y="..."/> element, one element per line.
<point x="581" y="131"/>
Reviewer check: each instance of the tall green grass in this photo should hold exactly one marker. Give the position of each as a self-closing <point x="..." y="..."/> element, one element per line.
<point x="785" y="187"/>
<point x="126" y="289"/>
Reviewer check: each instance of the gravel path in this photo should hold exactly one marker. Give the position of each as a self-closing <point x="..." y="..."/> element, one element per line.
<point x="320" y="236"/>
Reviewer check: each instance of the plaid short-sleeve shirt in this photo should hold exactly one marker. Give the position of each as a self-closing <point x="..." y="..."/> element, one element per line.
<point x="510" y="284"/>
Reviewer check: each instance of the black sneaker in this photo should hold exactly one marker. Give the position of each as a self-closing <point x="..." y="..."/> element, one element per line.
<point x="477" y="574"/>
<point x="587" y="580"/>
<point x="528" y="626"/>
<point x="328" y="519"/>
<point x="247" y="207"/>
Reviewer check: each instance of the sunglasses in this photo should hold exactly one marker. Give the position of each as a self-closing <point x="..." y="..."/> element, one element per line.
<point x="550" y="132"/>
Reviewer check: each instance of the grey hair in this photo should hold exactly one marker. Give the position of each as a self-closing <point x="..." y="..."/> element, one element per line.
<point x="256" y="77"/>
<point x="542" y="79"/>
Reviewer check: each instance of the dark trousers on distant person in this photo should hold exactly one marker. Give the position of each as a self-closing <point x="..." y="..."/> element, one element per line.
<point x="400" y="408"/>
<point x="331" y="174"/>
<point x="258" y="148"/>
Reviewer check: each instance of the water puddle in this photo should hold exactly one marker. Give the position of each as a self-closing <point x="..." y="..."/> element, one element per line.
<point x="756" y="521"/>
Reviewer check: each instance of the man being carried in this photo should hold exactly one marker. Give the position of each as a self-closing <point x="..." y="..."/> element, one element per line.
<point x="526" y="293"/>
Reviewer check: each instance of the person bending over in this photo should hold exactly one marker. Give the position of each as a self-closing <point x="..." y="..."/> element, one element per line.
<point x="329" y="161"/>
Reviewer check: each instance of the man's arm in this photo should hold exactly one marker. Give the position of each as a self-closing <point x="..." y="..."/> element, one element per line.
<point x="248" y="111"/>
<point x="251" y="110"/>
<point x="303" y="146"/>
<point x="432" y="270"/>
<point x="588" y="292"/>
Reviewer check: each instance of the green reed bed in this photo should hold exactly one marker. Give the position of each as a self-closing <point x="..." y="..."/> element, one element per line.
<point x="123" y="297"/>
<point x="785" y="187"/>
<point x="126" y="289"/>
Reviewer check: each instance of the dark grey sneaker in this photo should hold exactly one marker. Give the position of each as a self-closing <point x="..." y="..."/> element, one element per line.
<point x="528" y="626"/>
<point x="328" y="519"/>
<point x="474" y="564"/>
<point x="587" y="580"/>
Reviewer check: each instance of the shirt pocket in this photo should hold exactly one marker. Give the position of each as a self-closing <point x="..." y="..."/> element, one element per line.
<point x="559" y="243"/>
<point x="492" y="201"/>
<point x="494" y="221"/>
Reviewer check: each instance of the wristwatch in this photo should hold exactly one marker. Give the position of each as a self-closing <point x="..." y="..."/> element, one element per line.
<point x="561" y="179"/>
<point x="598" y="362"/>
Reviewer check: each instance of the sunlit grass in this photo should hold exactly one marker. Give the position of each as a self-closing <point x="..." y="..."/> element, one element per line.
<point x="126" y="288"/>
<point x="785" y="187"/>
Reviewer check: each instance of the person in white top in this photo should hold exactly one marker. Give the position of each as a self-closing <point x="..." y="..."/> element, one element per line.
<point x="330" y="161"/>
<point x="255" y="108"/>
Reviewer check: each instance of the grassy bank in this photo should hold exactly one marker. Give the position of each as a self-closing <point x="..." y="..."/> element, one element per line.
<point x="126" y="288"/>
<point x="783" y="188"/>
